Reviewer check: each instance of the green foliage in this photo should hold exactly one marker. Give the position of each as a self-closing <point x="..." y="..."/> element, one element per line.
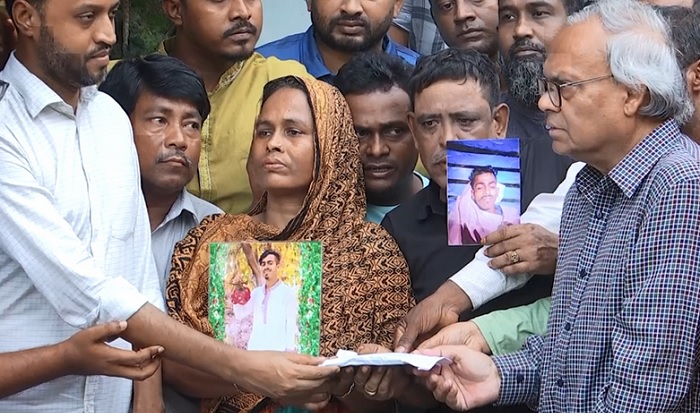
<point x="148" y="27"/>
<point x="217" y="295"/>
<point x="310" y="298"/>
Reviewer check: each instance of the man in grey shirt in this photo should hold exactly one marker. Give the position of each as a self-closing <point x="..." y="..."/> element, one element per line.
<point x="167" y="104"/>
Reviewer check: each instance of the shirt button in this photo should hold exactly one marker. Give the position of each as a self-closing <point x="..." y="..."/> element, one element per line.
<point x="560" y="383"/>
<point x="567" y="326"/>
<point x="599" y="215"/>
<point x="520" y="378"/>
<point x="582" y="274"/>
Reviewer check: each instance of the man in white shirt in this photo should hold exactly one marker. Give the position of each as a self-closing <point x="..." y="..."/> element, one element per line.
<point x="75" y="247"/>
<point x="275" y="308"/>
<point x="167" y="104"/>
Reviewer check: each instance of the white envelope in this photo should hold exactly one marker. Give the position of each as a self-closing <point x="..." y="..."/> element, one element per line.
<point x="350" y="358"/>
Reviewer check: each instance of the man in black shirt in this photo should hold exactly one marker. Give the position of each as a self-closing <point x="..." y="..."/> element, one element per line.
<point x="455" y="95"/>
<point x="525" y="28"/>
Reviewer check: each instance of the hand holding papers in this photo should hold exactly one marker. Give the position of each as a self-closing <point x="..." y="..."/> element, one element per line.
<point x="350" y="358"/>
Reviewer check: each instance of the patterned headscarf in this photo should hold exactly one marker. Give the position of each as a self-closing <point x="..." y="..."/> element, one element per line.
<point x="366" y="286"/>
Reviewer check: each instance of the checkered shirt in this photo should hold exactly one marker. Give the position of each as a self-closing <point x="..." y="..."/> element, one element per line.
<point x="624" y="330"/>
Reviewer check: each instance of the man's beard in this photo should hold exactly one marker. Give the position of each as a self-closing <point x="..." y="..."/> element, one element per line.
<point x="371" y="36"/>
<point x="66" y="67"/>
<point x="521" y="74"/>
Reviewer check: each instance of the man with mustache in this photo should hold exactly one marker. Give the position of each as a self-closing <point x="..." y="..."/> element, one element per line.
<point x="525" y="29"/>
<point x="339" y="30"/>
<point x="375" y="86"/>
<point x="455" y="95"/>
<point x="167" y="104"/>
<point x="217" y="39"/>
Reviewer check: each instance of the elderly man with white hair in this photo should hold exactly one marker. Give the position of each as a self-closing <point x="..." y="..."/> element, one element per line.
<point x="624" y="332"/>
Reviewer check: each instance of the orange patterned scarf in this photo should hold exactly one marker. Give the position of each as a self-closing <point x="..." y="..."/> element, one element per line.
<point x="366" y="285"/>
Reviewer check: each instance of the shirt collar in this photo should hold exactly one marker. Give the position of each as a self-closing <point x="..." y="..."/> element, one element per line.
<point x="36" y="94"/>
<point x="312" y="59"/>
<point x="430" y="203"/>
<point x="182" y="205"/>
<point x="631" y="171"/>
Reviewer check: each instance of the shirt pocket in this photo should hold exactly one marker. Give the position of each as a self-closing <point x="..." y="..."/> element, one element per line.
<point x="121" y="201"/>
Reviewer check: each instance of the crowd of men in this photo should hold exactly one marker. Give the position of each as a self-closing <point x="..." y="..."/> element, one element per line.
<point x="591" y="303"/>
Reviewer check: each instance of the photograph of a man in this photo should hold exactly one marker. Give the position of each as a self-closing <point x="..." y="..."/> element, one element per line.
<point x="477" y="212"/>
<point x="275" y="308"/>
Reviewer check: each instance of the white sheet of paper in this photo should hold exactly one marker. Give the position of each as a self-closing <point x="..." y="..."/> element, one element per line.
<point x="350" y="358"/>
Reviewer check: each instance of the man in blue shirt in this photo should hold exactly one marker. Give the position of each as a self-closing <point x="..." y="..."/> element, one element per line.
<point x="339" y="30"/>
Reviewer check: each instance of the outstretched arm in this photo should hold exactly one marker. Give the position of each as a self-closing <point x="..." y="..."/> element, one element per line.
<point x="253" y="264"/>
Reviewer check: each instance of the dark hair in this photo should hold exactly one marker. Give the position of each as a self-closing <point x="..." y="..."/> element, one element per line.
<point x="267" y="253"/>
<point x="371" y="72"/>
<point x="291" y="82"/>
<point x="480" y="170"/>
<point x="164" y="76"/>
<point x="684" y="24"/>
<point x="459" y="66"/>
<point x="575" y="6"/>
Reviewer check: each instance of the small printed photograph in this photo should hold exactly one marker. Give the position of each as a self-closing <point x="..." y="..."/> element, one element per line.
<point x="483" y="188"/>
<point x="266" y="295"/>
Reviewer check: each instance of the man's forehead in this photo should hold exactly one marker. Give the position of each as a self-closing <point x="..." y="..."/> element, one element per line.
<point x="469" y="89"/>
<point x="394" y="95"/>
<point x="151" y="101"/>
<point x="558" y="64"/>
<point x="485" y="175"/>
<point x="576" y="48"/>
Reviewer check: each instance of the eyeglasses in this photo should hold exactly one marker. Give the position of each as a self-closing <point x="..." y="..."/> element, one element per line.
<point x="553" y="89"/>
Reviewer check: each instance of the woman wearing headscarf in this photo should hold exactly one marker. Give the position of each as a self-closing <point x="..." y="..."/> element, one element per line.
<point x="305" y="155"/>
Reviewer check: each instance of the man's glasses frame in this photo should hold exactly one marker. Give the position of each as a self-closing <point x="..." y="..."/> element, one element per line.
<point x="553" y="89"/>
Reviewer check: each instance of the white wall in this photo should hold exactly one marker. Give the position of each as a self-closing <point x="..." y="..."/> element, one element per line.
<point x="282" y="18"/>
